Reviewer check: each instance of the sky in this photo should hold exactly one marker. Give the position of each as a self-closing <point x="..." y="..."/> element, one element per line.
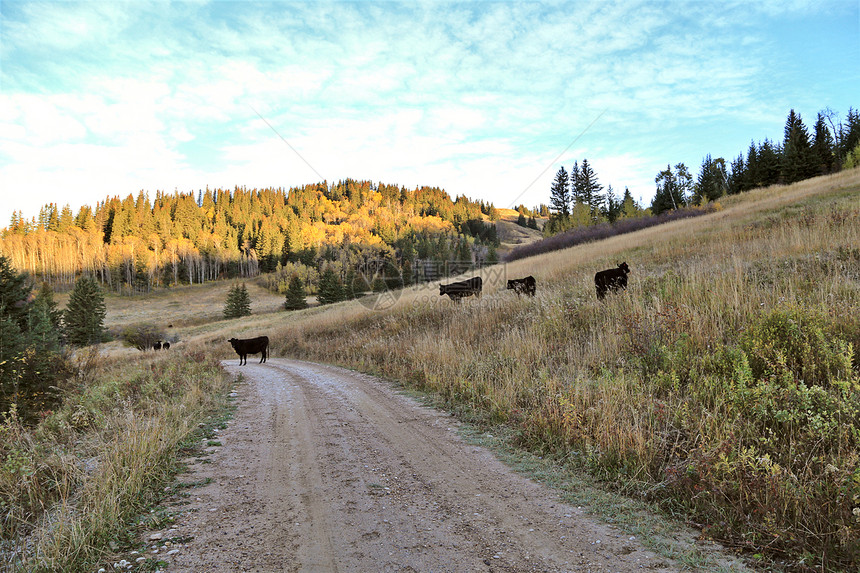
<point x="483" y="99"/>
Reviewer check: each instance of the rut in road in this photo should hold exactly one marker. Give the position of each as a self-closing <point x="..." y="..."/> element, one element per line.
<point x="325" y="469"/>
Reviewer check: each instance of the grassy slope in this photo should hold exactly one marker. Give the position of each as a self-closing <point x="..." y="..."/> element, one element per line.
<point x="659" y="389"/>
<point x="512" y="235"/>
<point x="719" y="385"/>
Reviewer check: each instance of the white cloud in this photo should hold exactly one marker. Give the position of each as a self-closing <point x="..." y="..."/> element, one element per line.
<point x="477" y="98"/>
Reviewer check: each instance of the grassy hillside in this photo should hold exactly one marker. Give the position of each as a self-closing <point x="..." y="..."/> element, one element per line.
<point x="720" y="384"/>
<point x="512" y="235"/>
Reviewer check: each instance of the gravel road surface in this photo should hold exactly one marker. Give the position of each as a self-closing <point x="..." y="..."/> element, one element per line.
<point x="325" y="469"/>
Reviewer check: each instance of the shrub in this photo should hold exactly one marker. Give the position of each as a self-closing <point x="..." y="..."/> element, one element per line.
<point x="142" y="336"/>
<point x="794" y="341"/>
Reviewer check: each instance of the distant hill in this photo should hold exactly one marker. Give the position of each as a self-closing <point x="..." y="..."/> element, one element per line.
<point x="139" y="243"/>
<point x="512" y="235"/>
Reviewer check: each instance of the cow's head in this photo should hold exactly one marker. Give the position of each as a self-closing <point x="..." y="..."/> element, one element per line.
<point x="233" y="342"/>
<point x="623" y="266"/>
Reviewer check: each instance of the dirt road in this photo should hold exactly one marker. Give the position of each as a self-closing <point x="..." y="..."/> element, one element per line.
<point x="323" y="469"/>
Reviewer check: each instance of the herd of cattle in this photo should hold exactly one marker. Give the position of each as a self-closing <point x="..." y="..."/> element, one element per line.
<point x="604" y="281"/>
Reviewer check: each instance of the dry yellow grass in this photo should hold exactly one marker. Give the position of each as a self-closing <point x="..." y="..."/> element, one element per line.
<point x="651" y="380"/>
<point x="648" y="388"/>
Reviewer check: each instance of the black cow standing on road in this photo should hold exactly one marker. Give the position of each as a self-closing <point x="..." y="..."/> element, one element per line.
<point x="526" y="285"/>
<point x="611" y="279"/>
<point x="246" y="346"/>
<point x="461" y="289"/>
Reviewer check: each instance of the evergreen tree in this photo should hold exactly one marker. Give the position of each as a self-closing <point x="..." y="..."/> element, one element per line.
<point x="612" y="208"/>
<point x="672" y="189"/>
<point x="492" y="256"/>
<point x="349" y="292"/>
<point x="849" y="134"/>
<point x="532" y="224"/>
<point x="823" y="155"/>
<point x="769" y="159"/>
<point x="85" y="313"/>
<point x="712" y="181"/>
<point x="296" y="295"/>
<point x="12" y="348"/>
<point x="407" y="272"/>
<point x="238" y="302"/>
<point x="666" y="197"/>
<point x="576" y="184"/>
<point x="521" y="219"/>
<point x="559" y="199"/>
<point x="14" y="293"/>
<point x="378" y="284"/>
<point x="797" y="163"/>
<point x="736" y="177"/>
<point x="45" y="297"/>
<point x="590" y="189"/>
<point x="330" y="288"/>
<point x="629" y="207"/>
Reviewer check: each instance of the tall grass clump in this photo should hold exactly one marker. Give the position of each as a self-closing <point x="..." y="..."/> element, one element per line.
<point x="70" y="484"/>
<point x="722" y="385"/>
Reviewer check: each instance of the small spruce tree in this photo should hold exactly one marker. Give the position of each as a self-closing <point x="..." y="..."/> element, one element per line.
<point x="296" y="295"/>
<point x="330" y="288"/>
<point x="238" y="302"/>
<point x="84" y="316"/>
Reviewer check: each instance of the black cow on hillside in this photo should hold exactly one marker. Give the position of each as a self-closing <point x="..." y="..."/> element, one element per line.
<point x="458" y="290"/>
<point x="611" y="279"/>
<point x="246" y="346"/>
<point x="157" y="346"/>
<point x="165" y="346"/>
<point x="526" y="285"/>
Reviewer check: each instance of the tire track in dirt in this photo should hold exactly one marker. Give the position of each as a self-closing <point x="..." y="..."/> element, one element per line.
<point x="325" y="469"/>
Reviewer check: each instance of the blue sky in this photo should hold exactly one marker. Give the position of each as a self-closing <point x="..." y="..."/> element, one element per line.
<point x="486" y="99"/>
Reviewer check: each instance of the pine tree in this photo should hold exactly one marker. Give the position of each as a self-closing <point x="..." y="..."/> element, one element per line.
<point x="330" y="288"/>
<point x="822" y="148"/>
<point x="769" y="158"/>
<point x="45" y="297"/>
<point x="576" y="184"/>
<point x="238" y="302"/>
<point x="672" y="189"/>
<point x="85" y="313"/>
<point x="629" y="207"/>
<point x="296" y="295"/>
<point x="797" y="163"/>
<point x="12" y="349"/>
<point x="590" y="189"/>
<point x="559" y="199"/>
<point x="712" y="181"/>
<point x="736" y="177"/>
<point x="14" y="293"/>
<point x="612" y="209"/>
<point x="849" y="134"/>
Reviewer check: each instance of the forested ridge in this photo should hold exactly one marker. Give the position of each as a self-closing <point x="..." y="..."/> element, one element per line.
<point x="139" y="243"/>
